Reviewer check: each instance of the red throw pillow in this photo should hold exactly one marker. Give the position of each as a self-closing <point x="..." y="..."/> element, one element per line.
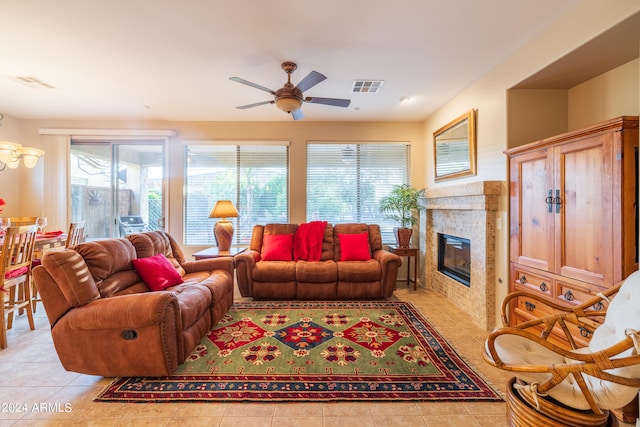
<point x="354" y="247"/>
<point x="157" y="272"/>
<point x="277" y="247"/>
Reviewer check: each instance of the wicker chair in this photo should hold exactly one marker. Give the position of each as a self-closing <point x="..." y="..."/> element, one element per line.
<point x="557" y="386"/>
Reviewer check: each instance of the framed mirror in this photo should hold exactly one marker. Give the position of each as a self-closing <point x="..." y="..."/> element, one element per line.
<point x="455" y="148"/>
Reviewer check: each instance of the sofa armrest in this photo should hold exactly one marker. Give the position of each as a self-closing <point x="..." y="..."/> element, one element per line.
<point x="116" y="337"/>
<point x="389" y="265"/>
<point x="245" y="262"/>
<point x="123" y="312"/>
<point x="210" y="264"/>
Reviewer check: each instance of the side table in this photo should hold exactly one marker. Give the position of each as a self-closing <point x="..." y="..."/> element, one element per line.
<point x="214" y="253"/>
<point x="409" y="253"/>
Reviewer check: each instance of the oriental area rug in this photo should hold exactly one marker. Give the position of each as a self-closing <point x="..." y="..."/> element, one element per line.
<point x="315" y="351"/>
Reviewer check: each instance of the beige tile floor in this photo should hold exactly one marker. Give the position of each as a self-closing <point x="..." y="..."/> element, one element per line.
<point x="30" y="374"/>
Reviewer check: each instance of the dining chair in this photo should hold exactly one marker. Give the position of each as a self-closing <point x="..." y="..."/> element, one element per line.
<point x="75" y="234"/>
<point x="15" y="276"/>
<point x="23" y="220"/>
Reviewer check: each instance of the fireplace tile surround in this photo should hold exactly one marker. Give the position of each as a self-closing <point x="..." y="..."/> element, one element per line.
<point x="467" y="211"/>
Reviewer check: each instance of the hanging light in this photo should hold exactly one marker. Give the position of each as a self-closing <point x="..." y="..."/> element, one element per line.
<point x="11" y="153"/>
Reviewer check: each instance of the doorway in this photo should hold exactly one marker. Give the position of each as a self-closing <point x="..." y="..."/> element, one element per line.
<point x="117" y="187"/>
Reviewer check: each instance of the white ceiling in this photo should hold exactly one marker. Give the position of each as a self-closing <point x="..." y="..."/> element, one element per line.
<point x="171" y="60"/>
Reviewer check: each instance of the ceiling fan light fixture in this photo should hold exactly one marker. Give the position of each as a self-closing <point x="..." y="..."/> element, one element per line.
<point x="288" y="104"/>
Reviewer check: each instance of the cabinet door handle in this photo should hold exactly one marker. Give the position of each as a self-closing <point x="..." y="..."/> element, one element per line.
<point x="557" y="201"/>
<point x="529" y="306"/>
<point x="568" y="295"/>
<point x="549" y="201"/>
<point x="543" y="287"/>
<point x="523" y="279"/>
<point x="598" y="306"/>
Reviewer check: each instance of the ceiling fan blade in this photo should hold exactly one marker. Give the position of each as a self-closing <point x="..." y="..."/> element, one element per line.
<point x="248" y="83"/>
<point x="312" y="79"/>
<point x="336" y="102"/>
<point x="244" y="107"/>
<point x="297" y="114"/>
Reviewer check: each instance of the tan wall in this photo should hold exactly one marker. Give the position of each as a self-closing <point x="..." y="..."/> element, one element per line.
<point x="298" y="133"/>
<point x="495" y="115"/>
<point x="609" y="95"/>
<point x="11" y="179"/>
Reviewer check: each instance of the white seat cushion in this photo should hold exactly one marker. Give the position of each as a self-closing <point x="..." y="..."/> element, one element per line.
<point x="623" y="313"/>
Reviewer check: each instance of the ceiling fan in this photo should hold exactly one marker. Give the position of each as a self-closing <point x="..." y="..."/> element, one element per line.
<point x="289" y="98"/>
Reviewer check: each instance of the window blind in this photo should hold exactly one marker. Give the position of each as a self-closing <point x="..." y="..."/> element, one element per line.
<point x="345" y="181"/>
<point x="254" y="177"/>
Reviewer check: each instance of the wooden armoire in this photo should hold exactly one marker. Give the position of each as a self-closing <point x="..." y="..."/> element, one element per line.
<point x="574" y="216"/>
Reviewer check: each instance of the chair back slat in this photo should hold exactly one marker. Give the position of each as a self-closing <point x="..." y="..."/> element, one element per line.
<point x="17" y="249"/>
<point x="15" y="276"/>
<point x="75" y="234"/>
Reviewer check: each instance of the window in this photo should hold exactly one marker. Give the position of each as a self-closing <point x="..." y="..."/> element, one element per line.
<point x="345" y="181"/>
<point x="254" y="177"/>
<point x="117" y="187"/>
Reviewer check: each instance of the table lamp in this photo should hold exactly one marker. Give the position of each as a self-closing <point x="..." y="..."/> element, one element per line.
<point x="223" y="230"/>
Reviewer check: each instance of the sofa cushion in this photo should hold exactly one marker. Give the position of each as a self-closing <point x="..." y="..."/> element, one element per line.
<point x="157" y="272"/>
<point x="157" y="242"/>
<point x="72" y="277"/>
<point x="360" y="271"/>
<point x="277" y="247"/>
<point x="354" y="247"/>
<point x="194" y="301"/>
<point x="274" y="271"/>
<point x="316" y="272"/>
<point x="109" y="262"/>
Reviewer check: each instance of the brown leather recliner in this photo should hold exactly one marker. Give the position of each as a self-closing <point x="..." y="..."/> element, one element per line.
<point x="326" y="279"/>
<point x="105" y="320"/>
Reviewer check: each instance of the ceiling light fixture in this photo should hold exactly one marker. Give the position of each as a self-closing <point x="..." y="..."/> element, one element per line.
<point x="288" y="104"/>
<point x="11" y="153"/>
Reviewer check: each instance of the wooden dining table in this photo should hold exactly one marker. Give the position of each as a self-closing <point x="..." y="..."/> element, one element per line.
<point x="44" y="242"/>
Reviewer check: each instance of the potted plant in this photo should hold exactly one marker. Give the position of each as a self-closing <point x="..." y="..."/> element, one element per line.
<point x="401" y="205"/>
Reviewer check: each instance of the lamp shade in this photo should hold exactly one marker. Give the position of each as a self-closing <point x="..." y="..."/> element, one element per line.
<point x="287" y="104"/>
<point x="30" y="156"/>
<point x="223" y="209"/>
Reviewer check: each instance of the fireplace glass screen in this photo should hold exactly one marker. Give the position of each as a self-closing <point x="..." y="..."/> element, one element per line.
<point x="454" y="258"/>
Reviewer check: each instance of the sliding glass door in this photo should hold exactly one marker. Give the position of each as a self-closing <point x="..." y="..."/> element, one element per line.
<point x="117" y="187"/>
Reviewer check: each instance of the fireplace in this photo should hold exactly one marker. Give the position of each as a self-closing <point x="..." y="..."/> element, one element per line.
<point x="469" y="211"/>
<point x="454" y="258"/>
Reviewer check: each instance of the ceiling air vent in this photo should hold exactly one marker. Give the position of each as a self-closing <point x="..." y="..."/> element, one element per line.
<point x="34" y="83"/>
<point x="367" y="86"/>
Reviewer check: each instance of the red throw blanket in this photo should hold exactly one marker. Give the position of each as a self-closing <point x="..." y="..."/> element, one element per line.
<point x="307" y="242"/>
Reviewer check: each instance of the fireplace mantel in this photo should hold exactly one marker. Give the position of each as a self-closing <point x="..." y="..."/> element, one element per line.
<point x="468" y="211"/>
<point x="482" y="195"/>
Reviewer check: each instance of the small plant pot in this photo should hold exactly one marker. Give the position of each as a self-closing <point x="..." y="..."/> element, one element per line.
<point x="403" y="237"/>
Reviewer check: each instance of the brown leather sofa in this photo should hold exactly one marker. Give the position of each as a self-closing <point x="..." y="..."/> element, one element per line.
<point x="106" y="321"/>
<point x="326" y="279"/>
